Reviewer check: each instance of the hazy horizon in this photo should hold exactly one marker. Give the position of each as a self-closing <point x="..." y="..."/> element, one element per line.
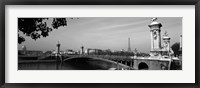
<point x="105" y="33"/>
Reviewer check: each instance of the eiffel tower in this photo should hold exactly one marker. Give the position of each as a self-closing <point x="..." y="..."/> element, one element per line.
<point x="129" y="48"/>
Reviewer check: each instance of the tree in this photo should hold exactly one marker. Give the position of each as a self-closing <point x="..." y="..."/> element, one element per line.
<point x="176" y="47"/>
<point x="37" y="27"/>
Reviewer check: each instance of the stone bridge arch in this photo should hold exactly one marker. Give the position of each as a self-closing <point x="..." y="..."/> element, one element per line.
<point x="143" y="66"/>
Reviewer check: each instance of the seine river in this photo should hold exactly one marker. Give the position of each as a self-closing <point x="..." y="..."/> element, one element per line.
<point x="58" y="66"/>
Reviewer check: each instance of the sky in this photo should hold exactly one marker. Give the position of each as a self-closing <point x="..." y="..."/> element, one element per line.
<point x="105" y="33"/>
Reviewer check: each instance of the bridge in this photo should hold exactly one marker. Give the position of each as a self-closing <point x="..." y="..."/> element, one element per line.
<point x="112" y="62"/>
<point x="123" y="62"/>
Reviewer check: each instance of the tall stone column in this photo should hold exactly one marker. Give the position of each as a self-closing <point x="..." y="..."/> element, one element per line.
<point x="155" y="35"/>
<point x="58" y="48"/>
<point x="82" y="49"/>
<point x="166" y="40"/>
